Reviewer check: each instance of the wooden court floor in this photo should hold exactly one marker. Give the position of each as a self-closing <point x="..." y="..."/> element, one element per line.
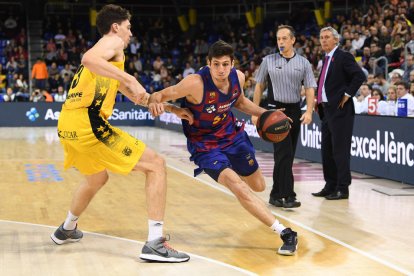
<point x="369" y="234"/>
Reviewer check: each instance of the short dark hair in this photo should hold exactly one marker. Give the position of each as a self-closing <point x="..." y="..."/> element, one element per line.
<point x="368" y="85"/>
<point x="403" y="83"/>
<point x="290" y="28"/>
<point x="110" y="14"/>
<point x="219" y="49"/>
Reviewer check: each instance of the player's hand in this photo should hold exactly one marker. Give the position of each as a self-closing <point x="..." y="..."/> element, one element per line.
<point x="154" y="106"/>
<point x="156" y="109"/>
<point x="283" y="110"/>
<point x="306" y="118"/>
<point x="254" y="120"/>
<point x="344" y="99"/>
<point x="184" y="113"/>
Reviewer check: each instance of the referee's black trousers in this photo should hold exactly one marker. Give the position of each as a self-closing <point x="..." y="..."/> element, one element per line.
<point x="284" y="153"/>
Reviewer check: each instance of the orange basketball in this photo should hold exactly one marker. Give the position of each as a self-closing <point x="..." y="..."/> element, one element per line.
<point x="273" y="126"/>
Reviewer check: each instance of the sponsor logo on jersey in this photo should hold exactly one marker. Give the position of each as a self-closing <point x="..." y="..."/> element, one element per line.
<point x="74" y="95"/>
<point x="210" y="109"/>
<point x="68" y="135"/>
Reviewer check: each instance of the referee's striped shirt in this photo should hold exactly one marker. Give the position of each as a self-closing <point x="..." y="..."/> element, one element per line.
<point x="286" y="76"/>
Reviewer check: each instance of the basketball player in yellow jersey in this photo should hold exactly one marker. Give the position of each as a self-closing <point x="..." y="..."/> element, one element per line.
<point x="93" y="146"/>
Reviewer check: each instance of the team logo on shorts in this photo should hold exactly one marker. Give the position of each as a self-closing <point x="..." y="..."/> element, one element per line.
<point x="127" y="151"/>
<point x="250" y="160"/>
<point x="210" y="109"/>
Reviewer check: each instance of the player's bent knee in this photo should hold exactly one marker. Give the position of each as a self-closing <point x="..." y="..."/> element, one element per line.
<point x="159" y="164"/>
<point x="259" y="187"/>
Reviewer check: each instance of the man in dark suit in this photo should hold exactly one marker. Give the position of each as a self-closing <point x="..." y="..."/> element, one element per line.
<point x="339" y="80"/>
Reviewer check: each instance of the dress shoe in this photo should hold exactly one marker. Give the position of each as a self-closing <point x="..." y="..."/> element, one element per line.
<point x="276" y="202"/>
<point x="291" y="202"/>
<point x="337" y="195"/>
<point x="322" y="193"/>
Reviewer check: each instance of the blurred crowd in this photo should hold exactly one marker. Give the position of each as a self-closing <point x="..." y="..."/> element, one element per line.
<point x="381" y="38"/>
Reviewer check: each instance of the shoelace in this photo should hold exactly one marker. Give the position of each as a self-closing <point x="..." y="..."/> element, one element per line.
<point x="168" y="247"/>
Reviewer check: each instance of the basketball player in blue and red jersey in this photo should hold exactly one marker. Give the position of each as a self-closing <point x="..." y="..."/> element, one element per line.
<point x="217" y="142"/>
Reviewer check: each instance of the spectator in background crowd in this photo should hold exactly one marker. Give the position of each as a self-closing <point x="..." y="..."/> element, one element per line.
<point x="361" y="101"/>
<point x="410" y="67"/>
<point x="395" y="77"/>
<point x="47" y="97"/>
<point x="381" y="83"/>
<point x="10" y="95"/>
<point x="3" y="79"/>
<point x="21" y="84"/>
<point x="382" y="106"/>
<point x="12" y="66"/>
<point x="36" y="96"/>
<point x="39" y="74"/>
<point x="188" y="70"/>
<point x="156" y="65"/>
<point x="391" y="56"/>
<point x="411" y="77"/>
<point x="134" y="46"/>
<point x="53" y="70"/>
<point x="61" y="95"/>
<point x="66" y="70"/>
<point x="403" y="93"/>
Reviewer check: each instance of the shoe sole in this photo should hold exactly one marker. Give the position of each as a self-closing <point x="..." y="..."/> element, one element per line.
<point x="288" y="253"/>
<point x="290" y="207"/>
<point x="60" y="242"/>
<point x="275" y="205"/>
<point x="160" y="259"/>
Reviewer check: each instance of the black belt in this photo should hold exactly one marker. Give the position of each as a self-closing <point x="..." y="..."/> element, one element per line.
<point x="274" y="104"/>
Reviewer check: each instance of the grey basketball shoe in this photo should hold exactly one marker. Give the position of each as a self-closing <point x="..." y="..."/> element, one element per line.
<point x="62" y="236"/>
<point x="159" y="250"/>
<point x="290" y="242"/>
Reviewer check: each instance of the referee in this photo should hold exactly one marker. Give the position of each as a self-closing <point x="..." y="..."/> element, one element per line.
<point x="288" y="72"/>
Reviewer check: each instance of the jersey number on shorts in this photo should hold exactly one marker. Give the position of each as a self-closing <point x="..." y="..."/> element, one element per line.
<point x="219" y="118"/>
<point x="76" y="78"/>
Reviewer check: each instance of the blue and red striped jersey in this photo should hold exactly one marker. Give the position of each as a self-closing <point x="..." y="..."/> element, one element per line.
<point x="214" y="124"/>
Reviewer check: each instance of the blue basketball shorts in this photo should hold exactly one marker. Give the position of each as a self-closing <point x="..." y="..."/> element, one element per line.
<point x="239" y="156"/>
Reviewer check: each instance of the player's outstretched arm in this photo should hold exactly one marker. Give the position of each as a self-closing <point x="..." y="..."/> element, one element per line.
<point x="182" y="113"/>
<point x="188" y="87"/>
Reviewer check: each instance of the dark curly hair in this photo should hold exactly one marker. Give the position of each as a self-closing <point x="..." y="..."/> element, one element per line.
<point x="110" y="14"/>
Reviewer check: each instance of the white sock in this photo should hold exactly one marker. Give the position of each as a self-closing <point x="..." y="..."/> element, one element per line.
<point x="70" y="222"/>
<point x="154" y="229"/>
<point x="277" y="227"/>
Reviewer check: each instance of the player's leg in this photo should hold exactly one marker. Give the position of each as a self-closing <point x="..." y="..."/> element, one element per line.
<point x="257" y="208"/>
<point x="153" y="166"/>
<point x="68" y="232"/>
<point x="255" y="181"/>
<point x="156" y="248"/>
<point x="86" y="191"/>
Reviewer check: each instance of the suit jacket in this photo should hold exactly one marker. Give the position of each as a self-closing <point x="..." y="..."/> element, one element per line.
<point x="344" y="76"/>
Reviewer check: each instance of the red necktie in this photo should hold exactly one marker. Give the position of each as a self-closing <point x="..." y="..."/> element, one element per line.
<point x="322" y="78"/>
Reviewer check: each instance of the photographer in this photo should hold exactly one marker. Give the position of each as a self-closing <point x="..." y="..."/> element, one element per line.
<point x="36" y="96"/>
